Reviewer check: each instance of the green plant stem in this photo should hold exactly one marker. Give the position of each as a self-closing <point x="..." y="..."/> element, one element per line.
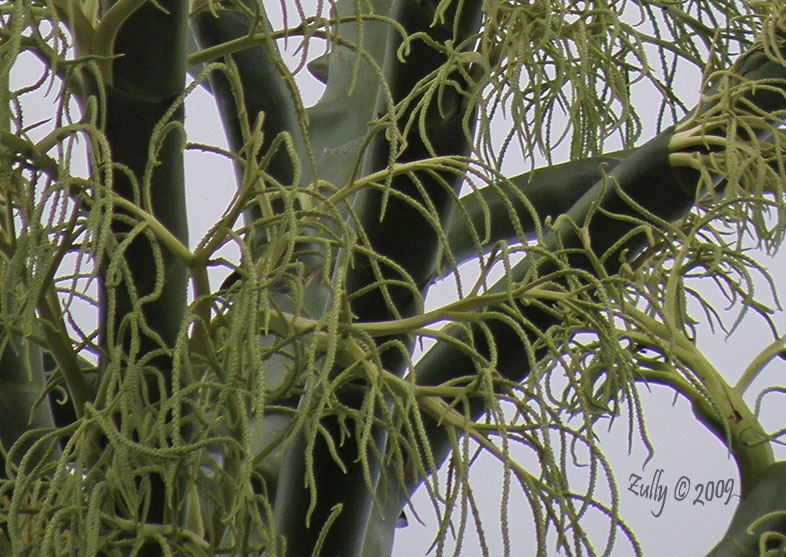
<point x="338" y="123"/>
<point x="142" y="313"/>
<point x="514" y="210"/>
<point x="22" y="377"/>
<point x="726" y="414"/>
<point x="103" y="43"/>
<point x="171" y="242"/>
<point x="758" y="523"/>
<point x="59" y="345"/>
<point x="758" y="363"/>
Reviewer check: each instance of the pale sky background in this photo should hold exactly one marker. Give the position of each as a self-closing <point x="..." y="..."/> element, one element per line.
<point x="683" y="446"/>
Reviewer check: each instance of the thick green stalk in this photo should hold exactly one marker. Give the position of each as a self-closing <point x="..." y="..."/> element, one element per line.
<point x="393" y="223"/>
<point x="145" y="81"/>
<point x="21" y="383"/>
<point x="264" y="93"/>
<point x="390" y="226"/>
<point x="21" y="361"/>
<point x="501" y="212"/>
<point x="338" y="123"/>
<point x="749" y="532"/>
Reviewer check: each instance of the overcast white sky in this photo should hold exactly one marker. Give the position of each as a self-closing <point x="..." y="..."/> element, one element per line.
<point x="683" y="446"/>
